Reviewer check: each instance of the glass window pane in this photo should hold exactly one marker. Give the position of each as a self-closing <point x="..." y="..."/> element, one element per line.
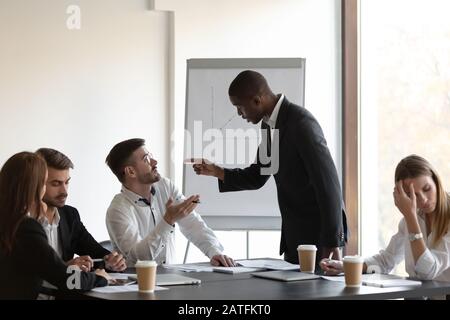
<point x="265" y="244"/>
<point x="405" y="103"/>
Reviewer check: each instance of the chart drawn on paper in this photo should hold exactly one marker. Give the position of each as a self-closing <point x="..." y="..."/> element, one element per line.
<point x="223" y="123"/>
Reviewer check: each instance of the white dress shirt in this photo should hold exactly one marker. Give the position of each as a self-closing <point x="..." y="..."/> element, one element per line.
<point x="432" y="264"/>
<point x="272" y="120"/>
<point x="51" y="230"/>
<point x="139" y="231"/>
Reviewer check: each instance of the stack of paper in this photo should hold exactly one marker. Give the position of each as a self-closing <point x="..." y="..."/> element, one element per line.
<point x="190" y="267"/>
<point x="125" y="288"/>
<point x="387" y="283"/>
<point x="234" y="270"/>
<point x="379" y="280"/>
<point x="268" y="264"/>
<point x="242" y="266"/>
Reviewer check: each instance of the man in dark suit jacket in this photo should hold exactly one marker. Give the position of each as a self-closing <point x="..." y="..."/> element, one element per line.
<point x="74" y="238"/>
<point x="62" y="224"/>
<point x="308" y="188"/>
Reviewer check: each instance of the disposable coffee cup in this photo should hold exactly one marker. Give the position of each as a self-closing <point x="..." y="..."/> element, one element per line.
<point x="146" y="275"/>
<point x="353" y="266"/>
<point x="307" y="257"/>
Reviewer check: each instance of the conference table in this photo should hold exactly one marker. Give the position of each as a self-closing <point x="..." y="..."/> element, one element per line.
<point x="244" y="286"/>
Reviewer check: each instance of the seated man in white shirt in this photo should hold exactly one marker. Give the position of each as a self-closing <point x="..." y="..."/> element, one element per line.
<point x="141" y="218"/>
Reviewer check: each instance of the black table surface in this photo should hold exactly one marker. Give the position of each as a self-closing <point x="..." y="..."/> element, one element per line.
<point x="244" y="286"/>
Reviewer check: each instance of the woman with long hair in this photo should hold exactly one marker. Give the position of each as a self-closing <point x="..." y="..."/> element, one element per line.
<point x="26" y="258"/>
<point x="423" y="237"/>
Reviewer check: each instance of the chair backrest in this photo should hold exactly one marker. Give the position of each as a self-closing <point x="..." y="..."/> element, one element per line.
<point x="107" y="245"/>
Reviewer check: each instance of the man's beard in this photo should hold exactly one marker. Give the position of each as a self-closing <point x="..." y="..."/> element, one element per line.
<point x="149" y="178"/>
<point x="58" y="201"/>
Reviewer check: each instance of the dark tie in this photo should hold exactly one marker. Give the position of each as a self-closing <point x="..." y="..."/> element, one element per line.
<point x="266" y="127"/>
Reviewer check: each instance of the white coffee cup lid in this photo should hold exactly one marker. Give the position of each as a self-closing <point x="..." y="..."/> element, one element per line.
<point x="310" y="247"/>
<point x="145" y="263"/>
<point x="354" y="259"/>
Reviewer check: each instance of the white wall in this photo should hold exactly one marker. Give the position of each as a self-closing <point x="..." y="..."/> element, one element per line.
<point x="82" y="91"/>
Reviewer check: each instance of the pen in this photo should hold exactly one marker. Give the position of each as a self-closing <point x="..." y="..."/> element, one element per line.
<point x="97" y="260"/>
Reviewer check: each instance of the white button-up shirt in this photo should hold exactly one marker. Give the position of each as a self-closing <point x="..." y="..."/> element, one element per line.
<point x="432" y="264"/>
<point x="51" y="230"/>
<point x="139" y="231"/>
<point x="272" y="120"/>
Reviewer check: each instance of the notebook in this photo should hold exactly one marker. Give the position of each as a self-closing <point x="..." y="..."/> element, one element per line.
<point x="171" y="279"/>
<point x="286" y="275"/>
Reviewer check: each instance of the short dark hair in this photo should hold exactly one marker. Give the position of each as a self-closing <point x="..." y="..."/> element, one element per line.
<point x="55" y="159"/>
<point x="247" y="84"/>
<point x="120" y="154"/>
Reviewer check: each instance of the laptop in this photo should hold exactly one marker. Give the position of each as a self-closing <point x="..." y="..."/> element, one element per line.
<point x="285" y="275"/>
<point x="170" y="279"/>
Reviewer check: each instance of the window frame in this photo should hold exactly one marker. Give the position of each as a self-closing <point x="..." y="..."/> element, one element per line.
<point x="350" y="122"/>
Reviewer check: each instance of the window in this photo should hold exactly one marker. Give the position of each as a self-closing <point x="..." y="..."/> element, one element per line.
<point x="405" y="103"/>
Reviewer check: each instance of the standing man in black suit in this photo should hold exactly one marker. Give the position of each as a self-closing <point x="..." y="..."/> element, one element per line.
<point x="308" y="188"/>
<point x="62" y="224"/>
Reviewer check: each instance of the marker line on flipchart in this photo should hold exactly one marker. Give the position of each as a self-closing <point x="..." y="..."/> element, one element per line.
<point x="227" y="122"/>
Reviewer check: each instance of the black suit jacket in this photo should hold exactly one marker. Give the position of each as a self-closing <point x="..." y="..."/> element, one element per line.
<point x="308" y="188"/>
<point x="32" y="260"/>
<point x="74" y="237"/>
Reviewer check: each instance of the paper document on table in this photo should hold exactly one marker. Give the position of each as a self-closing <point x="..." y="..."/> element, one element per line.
<point x="202" y="267"/>
<point x="379" y="280"/>
<point x="268" y="264"/>
<point x="125" y="288"/>
<point x="233" y="270"/>
<point x="388" y="283"/>
<point x="334" y="278"/>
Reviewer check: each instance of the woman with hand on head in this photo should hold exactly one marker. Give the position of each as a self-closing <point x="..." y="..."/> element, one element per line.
<point x="422" y="238"/>
<point x="26" y="258"/>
